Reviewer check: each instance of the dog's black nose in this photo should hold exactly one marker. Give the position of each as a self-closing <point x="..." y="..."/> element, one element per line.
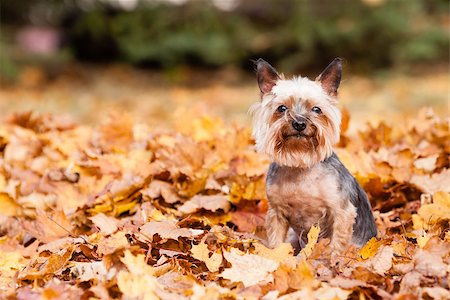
<point x="299" y="126"/>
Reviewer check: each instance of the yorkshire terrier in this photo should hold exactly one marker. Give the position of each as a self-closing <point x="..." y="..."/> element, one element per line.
<point x="296" y="124"/>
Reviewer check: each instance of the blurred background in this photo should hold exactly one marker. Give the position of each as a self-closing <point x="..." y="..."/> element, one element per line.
<point x="166" y="60"/>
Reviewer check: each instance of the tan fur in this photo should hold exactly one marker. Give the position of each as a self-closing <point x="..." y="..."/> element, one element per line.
<point x="314" y="198"/>
<point x="296" y="124"/>
<point x="306" y="202"/>
<point x="269" y="126"/>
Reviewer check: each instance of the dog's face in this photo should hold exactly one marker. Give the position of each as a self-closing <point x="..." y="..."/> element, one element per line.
<point x="297" y="121"/>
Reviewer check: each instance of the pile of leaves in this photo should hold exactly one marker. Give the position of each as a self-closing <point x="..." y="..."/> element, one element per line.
<point x="124" y="211"/>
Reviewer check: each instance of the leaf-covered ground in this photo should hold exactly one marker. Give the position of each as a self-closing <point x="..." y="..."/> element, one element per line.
<point x="121" y="210"/>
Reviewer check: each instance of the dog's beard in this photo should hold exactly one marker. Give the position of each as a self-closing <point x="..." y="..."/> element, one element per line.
<point x="288" y="147"/>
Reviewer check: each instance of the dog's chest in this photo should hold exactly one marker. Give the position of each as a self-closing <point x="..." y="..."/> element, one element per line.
<point x="304" y="197"/>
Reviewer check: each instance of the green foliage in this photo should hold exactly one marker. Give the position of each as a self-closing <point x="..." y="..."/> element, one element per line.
<point x="292" y="34"/>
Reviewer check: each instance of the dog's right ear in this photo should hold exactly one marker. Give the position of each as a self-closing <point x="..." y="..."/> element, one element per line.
<point x="266" y="74"/>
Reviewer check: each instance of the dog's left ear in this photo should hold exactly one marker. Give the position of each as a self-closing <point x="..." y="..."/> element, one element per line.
<point x="330" y="78"/>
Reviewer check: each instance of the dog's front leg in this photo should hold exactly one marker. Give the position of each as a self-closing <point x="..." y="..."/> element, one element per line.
<point x="277" y="226"/>
<point x="343" y="228"/>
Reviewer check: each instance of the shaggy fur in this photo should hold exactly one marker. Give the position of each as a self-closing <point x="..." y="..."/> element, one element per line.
<point x="296" y="124"/>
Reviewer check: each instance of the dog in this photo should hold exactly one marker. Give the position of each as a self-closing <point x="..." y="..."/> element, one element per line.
<point x="296" y="123"/>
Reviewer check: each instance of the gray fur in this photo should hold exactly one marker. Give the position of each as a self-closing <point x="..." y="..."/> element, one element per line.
<point x="364" y="227"/>
<point x="348" y="188"/>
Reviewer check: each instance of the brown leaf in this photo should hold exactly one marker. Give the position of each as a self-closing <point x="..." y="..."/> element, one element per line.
<point x="212" y="260"/>
<point x="47" y="265"/>
<point x="107" y="225"/>
<point x="429" y="264"/>
<point x="158" y="188"/>
<point x="167" y="230"/>
<point x="212" y="203"/>
<point x="438" y="182"/>
<point x="249" y="269"/>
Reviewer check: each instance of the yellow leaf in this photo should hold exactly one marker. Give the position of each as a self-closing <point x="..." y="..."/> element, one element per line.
<point x="8" y="207"/>
<point x="250" y="269"/>
<point x="370" y="248"/>
<point x="52" y="264"/>
<point x="422" y="240"/>
<point x="278" y="254"/>
<point x="313" y="236"/>
<point x="201" y="252"/>
<point x="157" y="215"/>
<point x="432" y="213"/>
<point x="136" y="264"/>
<point x="137" y="286"/>
<point x="107" y="225"/>
<point x="443" y="199"/>
<point x="122" y="207"/>
<point x="399" y="248"/>
<point x="10" y="263"/>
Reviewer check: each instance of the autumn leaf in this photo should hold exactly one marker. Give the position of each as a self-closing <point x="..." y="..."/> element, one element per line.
<point x="429" y="214"/>
<point x="212" y="260"/>
<point x="313" y="236"/>
<point x="249" y="269"/>
<point x="10" y="264"/>
<point x="125" y="209"/>
<point x="381" y="262"/>
<point x="167" y="230"/>
<point x="107" y="225"/>
<point x="43" y="266"/>
<point x="370" y="248"/>
<point x="212" y="203"/>
<point x="278" y="254"/>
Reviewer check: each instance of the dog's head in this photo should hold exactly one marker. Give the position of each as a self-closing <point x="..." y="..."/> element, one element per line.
<point x="297" y="122"/>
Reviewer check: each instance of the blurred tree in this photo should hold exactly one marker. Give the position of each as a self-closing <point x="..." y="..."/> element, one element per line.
<point x="293" y="34"/>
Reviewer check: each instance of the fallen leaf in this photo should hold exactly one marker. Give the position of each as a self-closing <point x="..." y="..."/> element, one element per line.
<point x="250" y="269"/>
<point x="437" y="182"/>
<point x="107" y="225"/>
<point x="10" y="264"/>
<point x="43" y="266"/>
<point x="95" y="270"/>
<point x="158" y="188"/>
<point x="167" y="230"/>
<point x="201" y="252"/>
<point x="212" y="203"/>
<point x="370" y="248"/>
<point x="278" y="254"/>
<point x="430" y="214"/>
<point x="429" y="264"/>
<point x="313" y="236"/>
<point x="382" y="261"/>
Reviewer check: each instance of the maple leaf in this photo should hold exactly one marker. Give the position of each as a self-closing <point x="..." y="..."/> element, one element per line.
<point x="96" y="270"/>
<point x="437" y="182"/>
<point x="42" y="266"/>
<point x="429" y="214"/>
<point x="381" y="262"/>
<point x="134" y="183"/>
<point x="250" y="269"/>
<point x="140" y="280"/>
<point x="207" y="202"/>
<point x="201" y="252"/>
<point x="429" y="264"/>
<point x="10" y="264"/>
<point x="167" y="230"/>
<point x="370" y="248"/>
<point x="313" y="236"/>
<point x="159" y="188"/>
<point x="107" y="225"/>
<point x="278" y="254"/>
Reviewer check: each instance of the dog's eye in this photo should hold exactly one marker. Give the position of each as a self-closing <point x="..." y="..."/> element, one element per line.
<point x="281" y="108"/>
<point x="316" y="110"/>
